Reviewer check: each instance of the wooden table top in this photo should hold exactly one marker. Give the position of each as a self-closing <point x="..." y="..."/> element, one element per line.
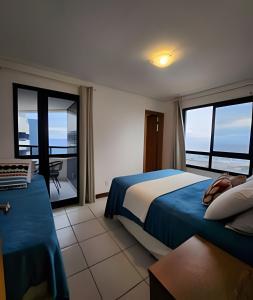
<point x="199" y="270"/>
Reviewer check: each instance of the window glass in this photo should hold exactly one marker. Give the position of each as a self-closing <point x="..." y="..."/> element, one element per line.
<point x="240" y="166"/>
<point x="64" y="176"/>
<point x="62" y="126"/>
<point x="197" y="160"/>
<point x="198" y="129"/>
<point x="27" y="122"/>
<point x="232" y="128"/>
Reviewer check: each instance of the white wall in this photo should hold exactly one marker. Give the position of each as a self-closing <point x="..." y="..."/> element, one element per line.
<point x="118" y="125"/>
<point x="118" y="121"/>
<point x="119" y="134"/>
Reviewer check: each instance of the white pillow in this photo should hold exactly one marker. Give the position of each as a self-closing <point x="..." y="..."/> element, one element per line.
<point x="231" y="202"/>
<point x="243" y="223"/>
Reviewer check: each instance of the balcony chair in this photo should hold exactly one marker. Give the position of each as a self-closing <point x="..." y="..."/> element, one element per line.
<point x="54" y="171"/>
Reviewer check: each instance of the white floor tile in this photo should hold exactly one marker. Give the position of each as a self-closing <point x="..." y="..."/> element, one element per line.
<point x="109" y="224"/>
<point x="82" y="287"/>
<point x="101" y="239"/>
<point x="66" y="237"/>
<point x="74" y="207"/>
<point x="88" y="229"/>
<point x="58" y="211"/>
<point x="73" y="260"/>
<point x="140" y="292"/>
<point x="99" y="248"/>
<point x="123" y="238"/>
<point x="115" y="276"/>
<point x="80" y="215"/>
<point x="98" y="207"/>
<point x="61" y="221"/>
<point x="140" y="258"/>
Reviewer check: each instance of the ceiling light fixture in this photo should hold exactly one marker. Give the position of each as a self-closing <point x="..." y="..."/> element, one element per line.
<point x="162" y="59"/>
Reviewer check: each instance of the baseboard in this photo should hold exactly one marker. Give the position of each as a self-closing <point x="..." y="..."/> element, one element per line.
<point x="102" y="195"/>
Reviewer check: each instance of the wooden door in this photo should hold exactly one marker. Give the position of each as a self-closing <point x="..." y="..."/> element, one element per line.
<point x="153" y="141"/>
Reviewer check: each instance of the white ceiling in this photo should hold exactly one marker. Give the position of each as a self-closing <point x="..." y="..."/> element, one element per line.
<point x="109" y="41"/>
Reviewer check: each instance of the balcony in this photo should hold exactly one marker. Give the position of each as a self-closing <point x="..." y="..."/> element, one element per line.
<point x="32" y="150"/>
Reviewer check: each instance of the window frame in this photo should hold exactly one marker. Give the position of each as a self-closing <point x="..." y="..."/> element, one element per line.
<point x="42" y="102"/>
<point x="212" y="153"/>
<point x="43" y="96"/>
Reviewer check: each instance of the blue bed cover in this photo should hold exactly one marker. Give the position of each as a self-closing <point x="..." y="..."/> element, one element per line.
<point x="31" y="252"/>
<point x="175" y="217"/>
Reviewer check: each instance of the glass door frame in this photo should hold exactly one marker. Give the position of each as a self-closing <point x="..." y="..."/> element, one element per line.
<point x="43" y="140"/>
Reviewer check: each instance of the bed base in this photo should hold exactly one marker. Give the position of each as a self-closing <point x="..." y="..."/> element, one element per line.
<point x="155" y="247"/>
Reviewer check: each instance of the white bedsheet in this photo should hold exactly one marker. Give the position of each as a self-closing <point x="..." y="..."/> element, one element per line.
<point x="139" y="197"/>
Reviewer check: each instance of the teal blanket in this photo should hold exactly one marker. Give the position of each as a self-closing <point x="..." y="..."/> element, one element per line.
<point x="31" y="251"/>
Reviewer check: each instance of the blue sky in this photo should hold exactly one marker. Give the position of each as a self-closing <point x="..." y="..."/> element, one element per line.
<point x="198" y="129"/>
<point x="232" y="128"/>
<point x="57" y="122"/>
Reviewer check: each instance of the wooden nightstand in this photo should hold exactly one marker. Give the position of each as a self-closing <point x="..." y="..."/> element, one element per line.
<point x="2" y="284"/>
<point x="198" y="270"/>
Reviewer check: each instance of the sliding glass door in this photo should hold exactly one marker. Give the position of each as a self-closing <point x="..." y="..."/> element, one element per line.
<point x="62" y="150"/>
<point x="46" y="130"/>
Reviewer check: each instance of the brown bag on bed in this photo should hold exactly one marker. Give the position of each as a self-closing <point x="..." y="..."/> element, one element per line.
<point x="221" y="185"/>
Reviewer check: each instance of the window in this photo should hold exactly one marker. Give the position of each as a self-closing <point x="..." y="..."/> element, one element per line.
<point x="218" y="137"/>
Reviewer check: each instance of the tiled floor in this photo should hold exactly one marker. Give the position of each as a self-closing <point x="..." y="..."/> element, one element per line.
<point x="102" y="260"/>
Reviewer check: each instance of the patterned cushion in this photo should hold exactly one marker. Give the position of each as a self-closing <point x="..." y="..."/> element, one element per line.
<point x="14" y="174"/>
<point x="16" y="167"/>
<point x="220" y="185"/>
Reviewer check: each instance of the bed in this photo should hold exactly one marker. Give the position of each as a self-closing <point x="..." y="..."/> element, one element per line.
<point x="174" y="217"/>
<point x="32" y="258"/>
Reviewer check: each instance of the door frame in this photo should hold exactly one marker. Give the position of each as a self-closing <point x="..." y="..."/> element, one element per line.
<point x="160" y="138"/>
<point x="42" y="103"/>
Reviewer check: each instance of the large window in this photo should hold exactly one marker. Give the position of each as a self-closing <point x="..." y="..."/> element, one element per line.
<point x="218" y="137"/>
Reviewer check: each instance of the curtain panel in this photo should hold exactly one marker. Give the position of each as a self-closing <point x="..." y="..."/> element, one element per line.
<point x="87" y="180"/>
<point x="179" y="159"/>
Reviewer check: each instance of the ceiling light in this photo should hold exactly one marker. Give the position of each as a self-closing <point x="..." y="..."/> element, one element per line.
<point x="162" y="59"/>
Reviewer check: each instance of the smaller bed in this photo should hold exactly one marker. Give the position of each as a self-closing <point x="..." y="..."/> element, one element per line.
<point x="31" y="253"/>
<point x="175" y="217"/>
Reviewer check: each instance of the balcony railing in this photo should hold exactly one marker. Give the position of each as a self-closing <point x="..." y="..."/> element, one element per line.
<point x="33" y="149"/>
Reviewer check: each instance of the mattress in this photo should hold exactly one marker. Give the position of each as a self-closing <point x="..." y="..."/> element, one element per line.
<point x="175" y="217"/>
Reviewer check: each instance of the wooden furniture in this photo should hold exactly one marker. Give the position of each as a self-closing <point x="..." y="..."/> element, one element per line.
<point x="153" y="141"/>
<point x="199" y="270"/>
<point x="2" y="283"/>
